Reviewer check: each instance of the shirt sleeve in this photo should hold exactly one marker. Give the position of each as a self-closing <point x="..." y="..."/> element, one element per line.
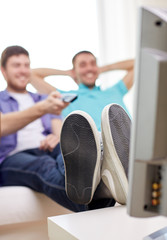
<point x="120" y="87"/>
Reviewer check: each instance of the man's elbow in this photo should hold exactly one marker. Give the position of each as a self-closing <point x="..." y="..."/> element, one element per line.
<point x="36" y="75"/>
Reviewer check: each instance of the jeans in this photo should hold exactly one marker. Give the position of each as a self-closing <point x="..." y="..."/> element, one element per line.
<point x="41" y="171"/>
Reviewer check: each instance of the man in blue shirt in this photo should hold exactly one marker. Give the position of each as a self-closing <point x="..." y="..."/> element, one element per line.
<point x="85" y="72"/>
<point x="76" y="140"/>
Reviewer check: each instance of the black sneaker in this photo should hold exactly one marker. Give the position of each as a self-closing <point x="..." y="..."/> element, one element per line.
<point x="116" y="126"/>
<point x="80" y="146"/>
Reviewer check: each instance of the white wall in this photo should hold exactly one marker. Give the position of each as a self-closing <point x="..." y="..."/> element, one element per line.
<point x="117" y="21"/>
<point x="117" y="35"/>
<point x="159" y="3"/>
<point x="51" y="30"/>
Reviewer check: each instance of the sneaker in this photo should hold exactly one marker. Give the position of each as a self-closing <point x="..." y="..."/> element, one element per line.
<point x="116" y="126"/>
<point x="80" y="147"/>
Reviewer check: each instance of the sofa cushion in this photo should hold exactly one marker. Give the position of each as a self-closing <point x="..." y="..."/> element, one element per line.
<point x="21" y="205"/>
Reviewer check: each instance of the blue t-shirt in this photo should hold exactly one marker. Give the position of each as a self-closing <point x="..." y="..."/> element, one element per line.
<point x="94" y="100"/>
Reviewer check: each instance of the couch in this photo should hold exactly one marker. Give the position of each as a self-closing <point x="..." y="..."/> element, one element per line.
<point x="24" y="212"/>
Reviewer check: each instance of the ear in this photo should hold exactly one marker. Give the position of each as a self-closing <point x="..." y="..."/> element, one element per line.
<point x="74" y="76"/>
<point x="3" y="71"/>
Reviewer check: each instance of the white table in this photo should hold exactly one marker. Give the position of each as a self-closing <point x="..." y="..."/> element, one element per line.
<point x="109" y="224"/>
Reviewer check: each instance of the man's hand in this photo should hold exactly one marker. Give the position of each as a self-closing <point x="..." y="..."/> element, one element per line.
<point x="53" y="104"/>
<point x="49" y="143"/>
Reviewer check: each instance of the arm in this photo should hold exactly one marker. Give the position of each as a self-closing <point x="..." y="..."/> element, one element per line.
<point x="51" y="140"/>
<point x="127" y="65"/>
<point x="128" y="79"/>
<point x="52" y="104"/>
<point x="38" y="75"/>
<point x="123" y="65"/>
<point x="56" y="126"/>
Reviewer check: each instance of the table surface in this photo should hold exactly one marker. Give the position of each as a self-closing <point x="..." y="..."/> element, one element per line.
<point x="108" y="223"/>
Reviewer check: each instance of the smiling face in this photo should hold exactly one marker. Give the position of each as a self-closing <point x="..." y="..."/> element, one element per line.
<point x="86" y="69"/>
<point x="17" y="73"/>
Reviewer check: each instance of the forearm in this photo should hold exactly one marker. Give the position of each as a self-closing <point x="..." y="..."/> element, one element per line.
<point x="123" y="65"/>
<point x="56" y="127"/>
<point x="38" y="75"/>
<point x="12" y="122"/>
<point x="51" y="140"/>
<point x="42" y="86"/>
<point x="45" y="72"/>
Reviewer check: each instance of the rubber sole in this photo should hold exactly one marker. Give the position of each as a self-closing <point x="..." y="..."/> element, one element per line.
<point x="116" y="136"/>
<point x="80" y="146"/>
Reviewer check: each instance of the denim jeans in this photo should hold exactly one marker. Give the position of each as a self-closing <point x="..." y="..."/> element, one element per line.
<point x="41" y="171"/>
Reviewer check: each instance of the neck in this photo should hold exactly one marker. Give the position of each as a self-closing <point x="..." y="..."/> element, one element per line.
<point x="89" y="86"/>
<point x="9" y="89"/>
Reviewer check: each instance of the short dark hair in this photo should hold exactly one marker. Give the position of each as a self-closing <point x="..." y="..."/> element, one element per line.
<point x="77" y="54"/>
<point x="11" y="51"/>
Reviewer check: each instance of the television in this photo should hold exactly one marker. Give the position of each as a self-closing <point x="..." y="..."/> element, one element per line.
<point x="147" y="195"/>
